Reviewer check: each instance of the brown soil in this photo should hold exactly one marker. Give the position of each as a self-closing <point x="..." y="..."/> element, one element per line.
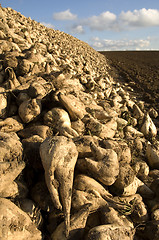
<point x="140" y="69"/>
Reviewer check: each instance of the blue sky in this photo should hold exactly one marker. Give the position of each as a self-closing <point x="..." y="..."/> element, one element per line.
<point x="104" y="24"/>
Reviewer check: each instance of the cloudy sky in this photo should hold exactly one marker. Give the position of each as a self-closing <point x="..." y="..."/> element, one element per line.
<point x="104" y="24"/>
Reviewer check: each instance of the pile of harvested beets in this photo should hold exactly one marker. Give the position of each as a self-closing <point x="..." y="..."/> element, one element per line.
<point x="79" y="157"/>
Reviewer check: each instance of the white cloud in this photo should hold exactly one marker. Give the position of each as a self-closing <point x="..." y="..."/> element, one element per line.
<point x="123" y="44"/>
<point x="124" y="21"/>
<point x="49" y="25"/>
<point x="104" y="21"/>
<point x="78" y="29"/>
<point x="140" y="18"/>
<point x="65" y="15"/>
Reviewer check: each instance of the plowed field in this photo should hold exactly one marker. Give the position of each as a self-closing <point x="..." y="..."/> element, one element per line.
<point x="140" y="69"/>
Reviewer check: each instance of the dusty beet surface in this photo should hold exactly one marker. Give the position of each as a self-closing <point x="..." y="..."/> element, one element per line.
<point x="140" y="69"/>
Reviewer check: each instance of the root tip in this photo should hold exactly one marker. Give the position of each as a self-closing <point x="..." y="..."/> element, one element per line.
<point x="67" y="225"/>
